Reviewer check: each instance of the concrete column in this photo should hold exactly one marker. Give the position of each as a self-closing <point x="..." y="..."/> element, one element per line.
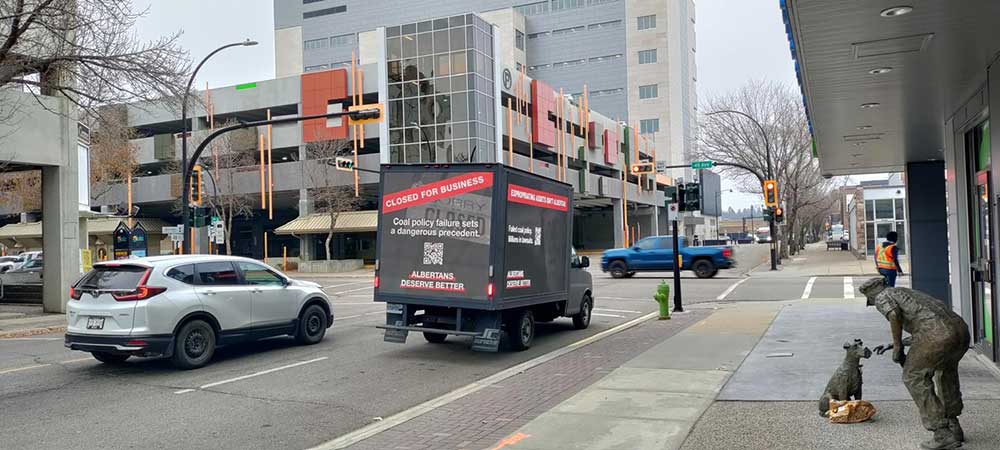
<point x="616" y="211"/>
<point x="926" y="204"/>
<point x="655" y="219"/>
<point x="60" y="232"/>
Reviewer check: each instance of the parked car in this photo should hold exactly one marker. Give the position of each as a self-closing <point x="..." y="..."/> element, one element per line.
<point x="184" y="306"/>
<point x="27" y="272"/>
<point x="8" y="262"/>
<point x="656" y="253"/>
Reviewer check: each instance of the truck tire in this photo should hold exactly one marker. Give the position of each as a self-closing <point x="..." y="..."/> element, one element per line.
<point x="435" y="338"/>
<point x="581" y="320"/>
<point x="704" y="268"/>
<point x="618" y="269"/>
<point x="521" y="330"/>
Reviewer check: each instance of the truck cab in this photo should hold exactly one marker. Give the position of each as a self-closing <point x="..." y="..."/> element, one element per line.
<point x="656" y="253"/>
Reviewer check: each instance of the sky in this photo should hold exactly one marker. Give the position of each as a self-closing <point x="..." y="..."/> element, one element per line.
<point x="737" y="40"/>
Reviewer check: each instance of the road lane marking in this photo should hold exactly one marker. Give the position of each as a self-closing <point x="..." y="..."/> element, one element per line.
<point x="626" y="298"/>
<point x="809" y="288"/>
<point x="848" y="288"/>
<point x="607" y="315"/>
<point x="252" y="375"/>
<point x="731" y="288"/>
<point x="18" y="369"/>
<point x="352" y="290"/>
<point x="32" y="339"/>
<point x="335" y="319"/>
<point x="428" y="406"/>
<point x="76" y="360"/>
<point x="355" y="303"/>
<point x="618" y="310"/>
<point x="345" y="284"/>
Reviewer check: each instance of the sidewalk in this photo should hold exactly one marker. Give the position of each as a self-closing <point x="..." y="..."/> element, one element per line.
<point x="815" y="260"/>
<point x="695" y="391"/>
<point x="20" y="320"/>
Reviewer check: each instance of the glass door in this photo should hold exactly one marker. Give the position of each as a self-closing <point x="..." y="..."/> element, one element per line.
<point x="980" y="211"/>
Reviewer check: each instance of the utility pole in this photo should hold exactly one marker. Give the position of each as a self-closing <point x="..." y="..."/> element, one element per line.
<point x="678" y="302"/>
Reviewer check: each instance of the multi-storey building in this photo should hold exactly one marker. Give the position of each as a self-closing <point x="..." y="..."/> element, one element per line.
<point x="635" y="57"/>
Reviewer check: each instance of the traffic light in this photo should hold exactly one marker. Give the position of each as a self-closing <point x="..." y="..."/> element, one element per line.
<point x="771" y="193"/>
<point x="768" y="214"/>
<point x="779" y="215"/>
<point x="643" y="168"/>
<point x="345" y="164"/>
<point x="197" y="185"/>
<point x="692" y="197"/>
<point x="364" y="114"/>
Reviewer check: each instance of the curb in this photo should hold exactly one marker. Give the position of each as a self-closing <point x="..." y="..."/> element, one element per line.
<point x="32" y="332"/>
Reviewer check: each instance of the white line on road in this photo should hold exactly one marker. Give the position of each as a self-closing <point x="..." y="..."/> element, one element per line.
<point x="848" y="287"/>
<point x="809" y="288"/>
<point x="345" y="284"/>
<point x="18" y="369"/>
<point x="607" y="315"/>
<point x="31" y="339"/>
<point x="335" y="319"/>
<point x="355" y="303"/>
<point x="252" y="375"/>
<point x="352" y="290"/>
<point x="618" y="310"/>
<point x="416" y="411"/>
<point x="730" y="290"/>
<point x="625" y="298"/>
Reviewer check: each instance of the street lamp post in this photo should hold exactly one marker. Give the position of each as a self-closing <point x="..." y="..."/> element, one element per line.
<point x="423" y="135"/>
<point x="770" y="175"/>
<point x="186" y="244"/>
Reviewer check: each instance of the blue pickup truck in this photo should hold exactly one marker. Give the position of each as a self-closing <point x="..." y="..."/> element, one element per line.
<point x="655" y="253"/>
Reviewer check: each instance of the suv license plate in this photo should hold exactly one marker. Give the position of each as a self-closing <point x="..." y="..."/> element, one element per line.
<point x="95" y="323"/>
<point x="394" y="308"/>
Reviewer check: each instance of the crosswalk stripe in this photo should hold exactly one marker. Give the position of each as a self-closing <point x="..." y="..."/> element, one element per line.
<point x="809" y="288"/>
<point x="730" y="290"/>
<point x="848" y="287"/>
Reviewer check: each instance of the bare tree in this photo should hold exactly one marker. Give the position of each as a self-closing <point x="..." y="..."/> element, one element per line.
<point x="20" y="190"/>
<point x="329" y="196"/>
<point x="732" y="138"/>
<point x="233" y="154"/>
<point x="87" y="51"/>
<point x="112" y="153"/>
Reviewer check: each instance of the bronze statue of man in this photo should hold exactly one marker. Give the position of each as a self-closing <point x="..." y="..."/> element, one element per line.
<point x="938" y="340"/>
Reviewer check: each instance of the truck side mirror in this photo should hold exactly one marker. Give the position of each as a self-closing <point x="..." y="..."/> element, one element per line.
<point x="636" y="248"/>
<point x="584" y="262"/>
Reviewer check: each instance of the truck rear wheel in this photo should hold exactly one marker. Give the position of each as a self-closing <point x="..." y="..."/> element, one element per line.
<point x="704" y="269"/>
<point x="618" y="269"/>
<point x="521" y="330"/>
<point x="435" y="338"/>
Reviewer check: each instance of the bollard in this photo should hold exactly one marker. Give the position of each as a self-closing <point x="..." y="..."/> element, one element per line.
<point x="662" y="297"/>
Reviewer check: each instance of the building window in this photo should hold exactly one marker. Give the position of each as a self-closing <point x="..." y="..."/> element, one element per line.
<point x="537" y="35"/>
<point x="603" y="25"/>
<point x="649" y="126"/>
<point x="315" y="68"/>
<point x="306" y="2"/>
<point x="562" y="5"/>
<point x="315" y="44"/>
<point x="569" y="30"/>
<point x="533" y="9"/>
<point x="648" y="91"/>
<point x="324" y="12"/>
<point x="647" y="22"/>
<point x="599" y="2"/>
<point x="343" y="40"/>
<point x="519" y="40"/>
<point x="647" y="56"/>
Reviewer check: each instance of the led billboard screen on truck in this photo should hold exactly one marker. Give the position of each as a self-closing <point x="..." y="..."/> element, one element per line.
<point x="435" y="233"/>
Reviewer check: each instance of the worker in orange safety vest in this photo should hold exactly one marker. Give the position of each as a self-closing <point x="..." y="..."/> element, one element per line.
<point x="887" y="259"/>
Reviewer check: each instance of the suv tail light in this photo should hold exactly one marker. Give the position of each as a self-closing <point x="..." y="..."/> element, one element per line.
<point x="376" y="282"/>
<point x="141" y="292"/>
<point x="75" y="294"/>
<point x="727" y="253"/>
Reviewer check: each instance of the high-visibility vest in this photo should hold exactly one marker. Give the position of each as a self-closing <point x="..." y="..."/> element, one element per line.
<point x="883" y="257"/>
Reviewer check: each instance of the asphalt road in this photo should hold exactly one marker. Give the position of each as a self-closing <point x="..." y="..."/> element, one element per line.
<point x="275" y="394"/>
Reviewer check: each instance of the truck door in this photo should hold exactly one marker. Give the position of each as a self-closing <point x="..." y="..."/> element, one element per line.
<point x="664" y="253"/>
<point x="644" y="253"/>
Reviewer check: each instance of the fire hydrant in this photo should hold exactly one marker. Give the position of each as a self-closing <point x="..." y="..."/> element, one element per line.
<point x="662" y="297"/>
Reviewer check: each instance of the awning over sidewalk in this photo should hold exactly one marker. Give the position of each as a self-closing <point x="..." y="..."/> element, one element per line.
<point x="347" y="222"/>
<point x="30" y="234"/>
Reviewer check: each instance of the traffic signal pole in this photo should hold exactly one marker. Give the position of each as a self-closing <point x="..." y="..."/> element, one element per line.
<point x="678" y="302"/>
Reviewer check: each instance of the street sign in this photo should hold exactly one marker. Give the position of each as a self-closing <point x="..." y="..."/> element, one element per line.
<point x="702" y="164"/>
<point x="179" y="229"/>
<point x="672" y="211"/>
<point x="219" y="234"/>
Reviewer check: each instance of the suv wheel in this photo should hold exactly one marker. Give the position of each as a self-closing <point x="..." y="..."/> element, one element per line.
<point x="194" y="345"/>
<point x="581" y="320"/>
<point x="110" y="358"/>
<point x="521" y="330"/>
<point x="312" y="325"/>
<point x="618" y="269"/>
<point x="704" y="269"/>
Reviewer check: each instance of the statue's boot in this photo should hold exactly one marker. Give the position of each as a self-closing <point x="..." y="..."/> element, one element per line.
<point x="943" y="439"/>
<point x="956" y="430"/>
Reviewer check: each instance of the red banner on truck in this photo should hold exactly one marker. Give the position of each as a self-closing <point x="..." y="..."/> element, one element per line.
<point x="436" y="191"/>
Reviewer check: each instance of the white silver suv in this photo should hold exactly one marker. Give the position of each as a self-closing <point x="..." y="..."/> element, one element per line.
<point x="184" y="306"/>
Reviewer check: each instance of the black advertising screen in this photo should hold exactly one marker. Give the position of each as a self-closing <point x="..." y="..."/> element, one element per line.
<point x="435" y="234"/>
<point x="536" y="250"/>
